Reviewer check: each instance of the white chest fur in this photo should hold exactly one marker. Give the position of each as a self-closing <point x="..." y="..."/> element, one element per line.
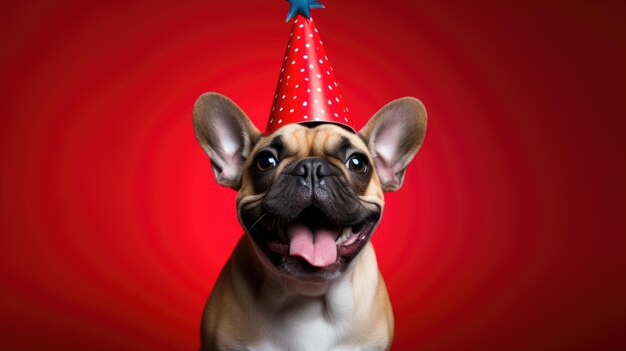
<point x="312" y="322"/>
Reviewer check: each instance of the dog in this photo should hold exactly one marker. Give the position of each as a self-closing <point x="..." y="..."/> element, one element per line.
<point x="304" y="275"/>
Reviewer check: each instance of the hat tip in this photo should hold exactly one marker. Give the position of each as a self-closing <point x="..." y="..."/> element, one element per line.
<point x="302" y="7"/>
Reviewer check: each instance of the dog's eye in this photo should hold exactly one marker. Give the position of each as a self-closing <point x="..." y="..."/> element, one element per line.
<point x="357" y="164"/>
<point x="266" y="161"/>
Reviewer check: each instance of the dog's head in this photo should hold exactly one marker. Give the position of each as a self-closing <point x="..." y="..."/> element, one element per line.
<point x="310" y="195"/>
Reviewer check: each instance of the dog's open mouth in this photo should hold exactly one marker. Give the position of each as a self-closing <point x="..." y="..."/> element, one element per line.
<point x="311" y="247"/>
<point x="318" y="242"/>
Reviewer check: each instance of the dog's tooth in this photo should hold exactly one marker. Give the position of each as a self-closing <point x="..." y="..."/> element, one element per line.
<point x="345" y="234"/>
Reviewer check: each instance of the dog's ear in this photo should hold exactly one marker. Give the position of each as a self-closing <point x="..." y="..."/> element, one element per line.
<point x="226" y="135"/>
<point x="394" y="135"/>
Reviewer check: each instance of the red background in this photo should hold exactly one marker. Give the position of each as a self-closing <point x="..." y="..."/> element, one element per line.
<point x="505" y="235"/>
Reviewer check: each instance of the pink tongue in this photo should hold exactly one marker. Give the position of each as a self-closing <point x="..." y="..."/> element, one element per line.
<point x="319" y="248"/>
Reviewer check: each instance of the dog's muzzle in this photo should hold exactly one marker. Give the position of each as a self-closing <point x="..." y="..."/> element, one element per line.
<point x="311" y="223"/>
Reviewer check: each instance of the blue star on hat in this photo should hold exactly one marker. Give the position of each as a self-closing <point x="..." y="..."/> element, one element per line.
<point x="302" y="7"/>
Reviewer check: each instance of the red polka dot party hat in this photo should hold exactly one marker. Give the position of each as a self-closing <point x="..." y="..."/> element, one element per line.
<point x="307" y="90"/>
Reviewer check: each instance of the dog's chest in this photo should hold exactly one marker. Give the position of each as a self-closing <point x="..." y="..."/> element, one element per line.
<point x="312" y="324"/>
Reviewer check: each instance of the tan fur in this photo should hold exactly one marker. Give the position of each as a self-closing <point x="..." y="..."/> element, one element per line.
<point x="232" y="300"/>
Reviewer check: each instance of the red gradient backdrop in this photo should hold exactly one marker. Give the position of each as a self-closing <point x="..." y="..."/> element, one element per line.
<point x="506" y="235"/>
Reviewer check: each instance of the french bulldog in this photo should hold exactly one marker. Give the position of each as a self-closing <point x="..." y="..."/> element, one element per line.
<point x="304" y="275"/>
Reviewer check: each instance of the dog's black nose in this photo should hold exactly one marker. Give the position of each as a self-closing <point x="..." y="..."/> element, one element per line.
<point x="312" y="171"/>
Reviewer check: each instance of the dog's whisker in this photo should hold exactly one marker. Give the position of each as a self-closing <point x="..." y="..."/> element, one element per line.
<point x="257" y="221"/>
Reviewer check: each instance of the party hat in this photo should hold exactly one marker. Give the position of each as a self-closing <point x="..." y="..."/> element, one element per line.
<point x="307" y="90"/>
